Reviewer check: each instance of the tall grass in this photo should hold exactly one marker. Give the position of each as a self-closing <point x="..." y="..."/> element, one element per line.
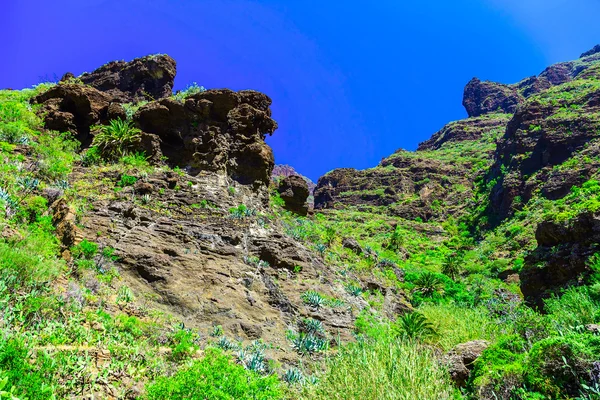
<point x="456" y="325"/>
<point x="383" y="369"/>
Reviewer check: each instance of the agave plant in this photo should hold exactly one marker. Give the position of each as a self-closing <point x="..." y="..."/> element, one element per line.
<point x="309" y="344"/>
<point x="321" y="248"/>
<point x="354" y="290"/>
<point x="293" y="376"/>
<point x="313" y="299"/>
<point x="312" y="326"/>
<point x="125" y="295"/>
<point x="117" y="139"/>
<point x="256" y="362"/>
<point x="28" y="183"/>
<point x="414" y="326"/>
<point x="226" y="344"/>
<point x="428" y="284"/>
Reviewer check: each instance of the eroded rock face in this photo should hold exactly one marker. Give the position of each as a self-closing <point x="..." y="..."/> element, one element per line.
<point x="146" y="78"/>
<point x="425" y="181"/>
<point x="461" y="358"/>
<point x="216" y="130"/>
<point x="484" y="97"/>
<point x="294" y="192"/>
<point x="75" y="108"/>
<point x="540" y="136"/>
<point x="561" y="257"/>
<point x="466" y="129"/>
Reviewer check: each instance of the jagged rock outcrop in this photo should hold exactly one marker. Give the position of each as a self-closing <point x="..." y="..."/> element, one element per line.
<point x="544" y="132"/>
<point x="461" y="358"/>
<point x="215" y="130"/>
<point x="294" y="192"/>
<point x="283" y="171"/>
<point x="409" y="185"/>
<point x="466" y="129"/>
<point x="75" y="108"/>
<point x="484" y="97"/>
<point x="147" y="78"/>
<point x="561" y="258"/>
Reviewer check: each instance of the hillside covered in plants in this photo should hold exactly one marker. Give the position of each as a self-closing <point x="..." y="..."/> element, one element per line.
<point x="148" y="250"/>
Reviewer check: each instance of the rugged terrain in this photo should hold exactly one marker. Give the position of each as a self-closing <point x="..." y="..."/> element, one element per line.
<point x="150" y="248"/>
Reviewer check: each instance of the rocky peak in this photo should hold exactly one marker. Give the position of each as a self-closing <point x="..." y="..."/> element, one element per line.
<point x="591" y="52"/>
<point x="484" y="97"/>
<point x="146" y="78"/>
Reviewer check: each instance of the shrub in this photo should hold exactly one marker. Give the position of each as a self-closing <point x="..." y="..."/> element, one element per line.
<point x="216" y="377"/>
<point x="31" y="381"/>
<point x="127" y="180"/>
<point x="117" y="139"/>
<point x="428" y="284"/>
<point x="557" y="366"/>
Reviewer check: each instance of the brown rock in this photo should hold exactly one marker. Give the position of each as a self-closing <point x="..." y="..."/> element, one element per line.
<point x="461" y="358"/>
<point x="146" y="78"/>
<point x="294" y="191"/>
<point x="489" y="97"/>
<point x="353" y="245"/>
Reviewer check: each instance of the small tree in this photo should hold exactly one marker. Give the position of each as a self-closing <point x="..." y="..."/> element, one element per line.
<point x="452" y="265"/>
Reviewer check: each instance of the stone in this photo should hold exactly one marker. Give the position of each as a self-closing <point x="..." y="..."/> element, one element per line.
<point x="294" y="192"/>
<point x="460" y="360"/>
<point x="146" y="78"/>
<point x="484" y="97"/>
<point x="352" y="244"/>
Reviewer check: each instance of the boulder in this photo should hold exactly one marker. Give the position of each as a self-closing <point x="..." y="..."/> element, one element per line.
<point x="561" y="258"/>
<point x="484" y="97"/>
<point x="460" y="360"/>
<point x="353" y="245"/>
<point x="146" y="78"/>
<point x="294" y="192"/>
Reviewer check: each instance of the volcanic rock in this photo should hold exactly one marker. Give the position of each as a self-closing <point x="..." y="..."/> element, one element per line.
<point x="294" y="192"/>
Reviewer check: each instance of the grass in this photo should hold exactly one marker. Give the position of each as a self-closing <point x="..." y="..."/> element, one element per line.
<point x="387" y="369"/>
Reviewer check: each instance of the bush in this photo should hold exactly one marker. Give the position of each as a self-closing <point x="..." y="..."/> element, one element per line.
<point x="32" y="382"/>
<point x="557" y="366"/>
<point x="117" y="139"/>
<point x="215" y="377"/>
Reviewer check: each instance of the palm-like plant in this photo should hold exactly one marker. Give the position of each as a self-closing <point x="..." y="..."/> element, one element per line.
<point x="117" y="139"/>
<point x="451" y="265"/>
<point x="414" y="326"/>
<point x="428" y="284"/>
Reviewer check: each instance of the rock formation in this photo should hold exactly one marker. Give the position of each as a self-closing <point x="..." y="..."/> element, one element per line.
<point x="294" y="192"/>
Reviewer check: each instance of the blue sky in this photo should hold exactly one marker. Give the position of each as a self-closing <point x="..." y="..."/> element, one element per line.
<point x="351" y="81"/>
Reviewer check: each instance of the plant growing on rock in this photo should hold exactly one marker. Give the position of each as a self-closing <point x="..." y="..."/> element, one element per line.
<point x="117" y="139"/>
<point x="313" y="299"/>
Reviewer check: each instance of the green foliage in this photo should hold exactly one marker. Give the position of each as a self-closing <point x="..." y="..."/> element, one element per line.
<point x="30" y="381"/>
<point x="414" y="326"/>
<point x="117" y="139"/>
<point x="85" y="249"/>
<point x="385" y="368"/>
<point x="190" y="90"/>
<point x="216" y="377"/>
<point x="126" y="180"/>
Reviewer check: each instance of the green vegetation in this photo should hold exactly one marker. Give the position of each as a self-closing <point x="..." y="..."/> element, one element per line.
<point x="117" y="139"/>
